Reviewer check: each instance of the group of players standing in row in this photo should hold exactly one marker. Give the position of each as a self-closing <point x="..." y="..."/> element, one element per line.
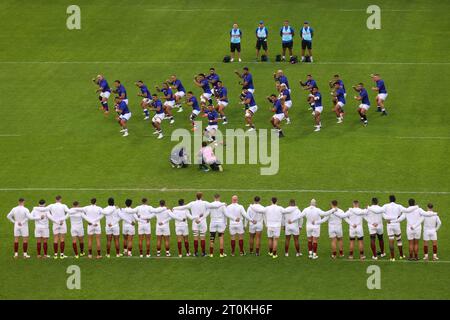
<point x="173" y="92"/>
<point x="273" y="216"/>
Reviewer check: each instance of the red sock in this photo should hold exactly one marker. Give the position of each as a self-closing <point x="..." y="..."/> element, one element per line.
<point x="315" y="247"/>
<point x="82" y="247"/>
<point x="45" y="248"/>
<point x="203" y="244"/>
<point x="351" y="253"/>
<point x="38" y="248"/>
<point x="241" y="245"/>
<point x="186" y="246"/>
<point x="140" y="251"/>
<point x="117" y="249"/>
<point x="400" y="250"/>
<point x="334" y="253"/>
<point x="75" y="249"/>
<point x="257" y="250"/>
<point x="25" y="247"/>
<point x="374" y="248"/>
<point x="341" y="252"/>
<point x="62" y="244"/>
<point x="179" y="247"/>
<point x="435" y="249"/>
<point x="297" y="247"/>
<point x="221" y="251"/>
<point x="233" y="245"/>
<point x="16" y="247"/>
<point x="310" y="245"/>
<point x="196" y="246"/>
<point x="108" y="249"/>
<point x="99" y="252"/>
<point x="55" y="247"/>
<point x="274" y="252"/>
<point x="90" y="252"/>
<point x="425" y="249"/>
<point x="211" y="250"/>
<point x="286" y="247"/>
<point x="148" y="250"/>
<point x="361" y="253"/>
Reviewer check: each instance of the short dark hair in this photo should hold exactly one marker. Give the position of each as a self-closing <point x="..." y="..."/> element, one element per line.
<point x="199" y="195"/>
<point x="190" y="92"/>
<point x="430" y="205"/>
<point x="355" y="202"/>
<point x="128" y="202"/>
<point x="273" y="95"/>
<point x="118" y="81"/>
<point x="334" y="202"/>
<point x="21" y="199"/>
<point x="361" y="84"/>
<point x="274" y="199"/>
<point x="257" y="199"/>
<point x="110" y="201"/>
<point x="292" y="202"/>
<point x="93" y="201"/>
<point x="412" y="202"/>
<point x="181" y="202"/>
<point x="162" y="202"/>
<point x="216" y="196"/>
<point x="212" y="69"/>
<point x="58" y="197"/>
<point x="204" y="144"/>
<point x="218" y="81"/>
<point x="374" y="200"/>
<point x="336" y="76"/>
<point x="144" y="200"/>
<point x="75" y="203"/>
<point x="154" y="95"/>
<point x="392" y="198"/>
<point x="42" y="201"/>
<point x="245" y="68"/>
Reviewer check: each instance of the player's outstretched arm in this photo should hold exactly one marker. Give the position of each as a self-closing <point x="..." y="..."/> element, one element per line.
<point x="427" y="213"/>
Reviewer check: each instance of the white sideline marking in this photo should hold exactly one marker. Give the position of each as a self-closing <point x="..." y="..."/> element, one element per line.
<point x="9" y="135"/>
<point x="439" y="138"/>
<point x="389" y="10"/>
<point x="213" y="62"/>
<point x="224" y="190"/>
<point x="192" y="10"/>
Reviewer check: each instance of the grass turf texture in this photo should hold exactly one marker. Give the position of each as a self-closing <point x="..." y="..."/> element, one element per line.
<point x="63" y="141"/>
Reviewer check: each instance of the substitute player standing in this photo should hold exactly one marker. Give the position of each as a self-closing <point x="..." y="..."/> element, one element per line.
<point x="146" y="98"/>
<point x="181" y="228"/>
<point x="124" y="115"/>
<point x="236" y="213"/>
<point x="261" y="39"/>
<point x="380" y="88"/>
<point x="104" y="92"/>
<point x="41" y="230"/>
<point x="287" y="39"/>
<point x="306" y="33"/>
<point x="364" y="105"/>
<point x="217" y="225"/>
<point x="19" y="216"/>
<point x="235" y="42"/>
<point x="255" y="225"/>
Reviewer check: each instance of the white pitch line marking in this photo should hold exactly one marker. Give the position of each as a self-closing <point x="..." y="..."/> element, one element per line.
<point x="224" y="190"/>
<point x="9" y="135"/>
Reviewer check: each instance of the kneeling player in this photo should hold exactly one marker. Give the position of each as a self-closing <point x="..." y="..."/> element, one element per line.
<point x="181" y="228"/>
<point x="279" y="108"/>
<point x="124" y="115"/>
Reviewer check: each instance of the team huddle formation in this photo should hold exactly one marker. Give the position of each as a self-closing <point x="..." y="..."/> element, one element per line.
<point x="419" y="223"/>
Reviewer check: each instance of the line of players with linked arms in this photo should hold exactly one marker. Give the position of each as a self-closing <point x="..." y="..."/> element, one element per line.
<point x="213" y="87"/>
<point x="274" y="217"/>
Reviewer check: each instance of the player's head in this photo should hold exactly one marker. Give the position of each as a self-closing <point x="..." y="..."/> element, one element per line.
<point x="234" y="199"/>
<point x="181" y="202"/>
<point x="110" y="201"/>
<point x="374" y="201"/>
<point x="256" y="199"/>
<point x="75" y="204"/>
<point x="274" y="200"/>
<point x="392" y="198"/>
<point x="412" y="202"/>
<point x="336" y="77"/>
<point x="42" y="202"/>
<point x="245" y="70"/>
<point x="309" y="77"/>
<point x="117" y="100"/>
<point x="93" y="201"/>
<point x="201" y="76"/>
<point x="212" y="71"/>
<point x="139" y="83"/>
<point x="273" y="97"/>
<point x="315" y="89"/>
<point x="162" y="203"/>
<point x="217" y="197"/>
<point x="165" y="85"/>
<point x="204" y="144"/>
<point x="375" y="76"/>
<point x="58" y="198"/>
<point x="100" y="77"/>
<point x="190" y="94"/>
<point x="21" y="200"/>
<point x="199" y="195"/>
<point x="283" y="86"/>
<point x="355" y="203"/>
<point x="173" y="77"/>
<point x="334" y="203"/>
<point x="292" y="202"/>
<point x="144" y="200"/>
<point x="286" y="23"/>
<point x="235" y="26"/>
<point x="279" y="73"/>
<point x="245" y="91"/>
<point x="210" y="107"/>
<point x="219" y="84"/>
<point x="128" y="202"/>
<point x="313" y="202"/>
<point x="261" y="23"/>
<point x="305" y="24"/>
<point x="154" y="97"/>
<point x="359" y="86"/>
<point x="430" y="206"/>
<point x="337" y="85"/>
<point x="116" y="83"/>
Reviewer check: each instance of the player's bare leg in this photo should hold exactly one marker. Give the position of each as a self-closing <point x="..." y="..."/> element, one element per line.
<point x="98" y="245"/>
<point x="297" y="245"/>
<point x="90" y="246"/>
<point x="341" y="247"/>
<point x="286" y="245"/>
<point x="38" y="247"/>
<point x="249" y="120"/>
<point x="129" y="245"/>
<point x="373" y="246"/>
<point x="241" y="244"/>
<point x="400" y="245"/>
<point x="117" y="245"/>
<point x="351" y="248"/>
<point x="104" y="106"/>
<point x="158" y="245"/>
<point x="361" y="250"/>
<point x="411" y="249"/>
<point x="203" y="244"/>
<point x="180" y="245"/>
<point x="314" y="247"/>
<point x="257" y="242"/>
<point x="75" y="247"/>
<point x="186" y="245"/>
<point x="167" y="245"/>
<point x="108" y="245"/>
<point x="381" y="244"/>
<point x="140" y="242"/>
<point x="125" y="244"/>
<point x="233" y="244"/>
<point x="251" y="242"/>
<point x="435" y="257"/>
<point x="270" y="244"/>
<point x="274" y="247"/>
<point x="333" y="248"/>
<point x="363" y="117"/>
<point x="310" y="247"/>
<point x="147" y="244"/>
<point x="391" y="248"/>
<point x="318" y="124"/>
<point x="55" y="245"/>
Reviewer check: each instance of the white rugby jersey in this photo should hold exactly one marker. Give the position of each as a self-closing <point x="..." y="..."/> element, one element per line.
<point x="144" y="214"/>
<point x="38" y="220"/>
<point x="355" y="216"/>
<point x="374" y="215"/>
<point x="314" y="215"/>
<point x="127" y="215"/>
<point x="93" y="213"/>
<point x="255" y="215"/>
<point x="393" y="211"/>
<point x="76" y="217"/>
<point x="57" y="212"/>
<point x="180" y="217"/>
<point x="163" y="216"/>
<point x="112" y="216"/>
<point x="235" y="211"/>
<point x="335" y="219"/>
<point x="432" y="222"/>
<point x="19" y="214"/>
<point x="293" y="214"/>
<point x="217" y="214"/>
<point x="273" y="214"/>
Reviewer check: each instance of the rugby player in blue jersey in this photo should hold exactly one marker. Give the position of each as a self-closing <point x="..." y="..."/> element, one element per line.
<point x="339" y="98"/>
<point x="120" y="91"/>
<point x="363" y="98"/>
<point x="169" y="100"/>
<point x="176" y="84"/>
<point x="213" y="78"/>
<point x="192" y="101"/>
<point x="222" y="100"/>
<point x="380" y="88"/>
<point x="211" y="129"/>
<point x="157" y="106"/>
<point x="124" y="114"/>
<point x="146" y="98"/>
<point x="316" y="99"/>
<point x="104" y="92"/>
<point x="250" y="108"/>
<point x="279" y="109"/>
<point x="205" y="98"/>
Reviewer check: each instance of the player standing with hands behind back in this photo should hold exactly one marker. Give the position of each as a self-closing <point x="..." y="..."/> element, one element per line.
<point x="235" y="39"/>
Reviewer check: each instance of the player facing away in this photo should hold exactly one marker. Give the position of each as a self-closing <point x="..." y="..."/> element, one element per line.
<point x="157" y="106"/>
<point x="392" y="211"/>
<point x="255" y="225"/>
<point x="143" y="217"/>
<point x="205" y="98"/>
<point x="217" y="225"/>
<point x="287" y="39"/>
<point x="162" y="228"/>
<point x="235" y="42"/>
<point x="285" y="97"/>
<point x="314" y="219"/>
<point x="169" y="100"/>
<point x="221" y="94"/>
<point x="339" y="98"/>
<point x="41" y="230"/>
<point x="279" y="108"/>
<point x="380" y="88"/>
<point x="181" y="228"/>
<point x="294" y="221"/>
<point x="431" y="225"/>
<point x="58" y="213"/>
<point x="375" y="225"/>
<point x="120" y="91"/>
<point x="127" y="215"/>
<point x="124" y="115"/>
<point x="192" y="101"/>
<point x="19" y="216"/>
<point x="246" y="79"/>
<point x="355" y="218"/>
<point x="250" y="109"/>
<point x="176" y="84"/>
<point x="112" y="229"/>
<point x="236" y="213"/>
<point x="318" y="108"/>
<point x="363" y="98"/>
<point x="146" y="98"/>
<point x="93" y="215"/>
<point x="104" y="92"/>
<point x="335" y="230"/>
<point x="77" y="229"/>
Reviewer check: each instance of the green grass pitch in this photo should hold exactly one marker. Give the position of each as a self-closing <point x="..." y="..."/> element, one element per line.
<point x="53" y="137"/>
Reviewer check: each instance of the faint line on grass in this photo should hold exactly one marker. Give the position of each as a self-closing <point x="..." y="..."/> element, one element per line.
<point x="407" y="261"/>
<point x="9" y="135"/>
<point x="224" y="190"/>
<point x="212" y="62"/>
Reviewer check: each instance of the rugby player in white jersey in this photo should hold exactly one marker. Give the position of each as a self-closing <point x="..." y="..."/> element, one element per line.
<point x="355" y="219"/>
<point x="217" y="226"/>
<point x="77" y="228"/>
<point x="181" y="228"/>
<point x="431" y="225"/>
<point x="127" y="215"/>
<point x="198" y="214"/>
<point x="375" y="225"/>
<point x="273" y="216"/>
<point x="294" y="220"/>
<point x="41" y="230"/>
<point x="112" y="228"/>
<point x="335" y="230"/>
<point x="143" y="217"/>
<point x="19" y="216"/>
<point x="255" y="225"/>
<point x="314" y="218"/>
<point x="93" y="215"/>
<point x="236" y="213"/>
<point x="393" y="211"/>
<point x="58" y="213"/>
<point x="162" y="227"/>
